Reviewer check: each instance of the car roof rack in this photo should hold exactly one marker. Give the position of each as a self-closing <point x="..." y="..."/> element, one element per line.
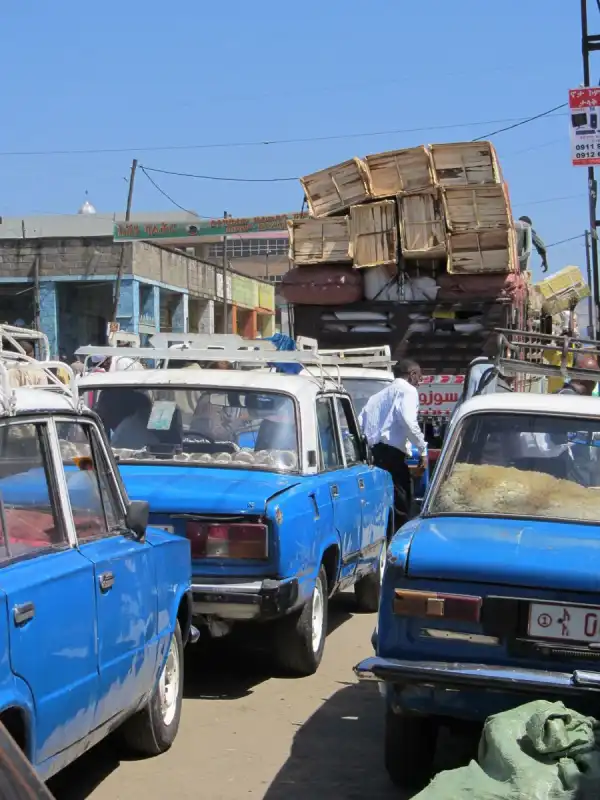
<point x="13" y="356"/>
<point x="365" y="357"/>
<point x="522" y="352"/>
<point x="223" y="341"/>
<point x="266" y="354"/>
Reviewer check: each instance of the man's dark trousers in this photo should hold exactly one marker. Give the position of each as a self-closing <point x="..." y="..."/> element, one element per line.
<point x="394" y="461"/>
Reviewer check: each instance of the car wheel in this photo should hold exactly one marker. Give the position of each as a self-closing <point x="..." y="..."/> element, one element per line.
<point x="368" y="589"/>
<point x="300" y="637"/>
<point x="410" y="749"/>
<point x="152" y="730"/>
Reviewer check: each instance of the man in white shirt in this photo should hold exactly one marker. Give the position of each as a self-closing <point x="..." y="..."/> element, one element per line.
<point x="389" y="421"/>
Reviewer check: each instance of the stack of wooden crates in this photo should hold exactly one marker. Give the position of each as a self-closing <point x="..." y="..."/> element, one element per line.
<point x="444" y="205"/>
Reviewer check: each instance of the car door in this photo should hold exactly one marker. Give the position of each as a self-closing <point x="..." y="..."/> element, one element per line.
<point x="48" y="588"/>
<point x="343" y="486"/>
<point x="124" y="572"/>
<point x="370" y="483"/>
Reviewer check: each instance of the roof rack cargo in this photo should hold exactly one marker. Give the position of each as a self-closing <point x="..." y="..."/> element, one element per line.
<point x="13" y="356"/>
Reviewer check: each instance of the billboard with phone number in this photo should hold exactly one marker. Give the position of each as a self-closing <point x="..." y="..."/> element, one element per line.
<point x="584" y="124"/>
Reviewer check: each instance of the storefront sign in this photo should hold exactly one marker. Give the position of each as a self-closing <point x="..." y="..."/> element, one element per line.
<point x="438" y="394"/>
<point x="232" y="226"/>
<point x="584" y="124"/>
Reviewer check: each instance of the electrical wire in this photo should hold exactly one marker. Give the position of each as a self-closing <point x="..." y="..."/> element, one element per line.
<point x="562" y="241"/>
<point x="522" y="122"/>
<point x="169" y="198"/>
<point x="217" y="178"/>
<point x="551" y="199"/>
<point x="264" y="143"/>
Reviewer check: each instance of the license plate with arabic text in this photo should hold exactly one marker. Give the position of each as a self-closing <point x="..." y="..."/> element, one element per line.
<point x="568" y="623"/>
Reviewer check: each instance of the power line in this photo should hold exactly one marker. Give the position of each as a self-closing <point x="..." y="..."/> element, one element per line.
<point x="551" y="199"/>
<point x="217" y="178"/>
<point x="169" y="198"/>
<point x="562" y="241"/>
<point x="522" y="122"/>
<point x="262" y="143"/>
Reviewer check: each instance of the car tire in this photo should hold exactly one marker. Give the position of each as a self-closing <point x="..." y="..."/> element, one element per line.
<point x="367" y="590"/>
<point x="410" y="749"/>
<point x="300" y="637"/>
<point x="152" y="730"/>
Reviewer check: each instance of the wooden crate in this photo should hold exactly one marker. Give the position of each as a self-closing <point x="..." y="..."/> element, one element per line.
<point x="480" y="252"/>
<point x="465" y="164"/>
<point x="335" y="189"/>
<point x="476" y="208"/>
<point x="319" y="241"/>
<point x="374" y="234"/>
<point x="399" y="172"/>
<point x="422" y="228"/>
<point x="563" y="290"/>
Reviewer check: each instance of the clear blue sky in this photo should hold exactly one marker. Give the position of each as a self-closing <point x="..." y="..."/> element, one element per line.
<point x="143" y="73"/>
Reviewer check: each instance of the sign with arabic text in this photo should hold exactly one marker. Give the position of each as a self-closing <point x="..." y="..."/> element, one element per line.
<point x="231" y="226"/>
<point x="584" y="124"/>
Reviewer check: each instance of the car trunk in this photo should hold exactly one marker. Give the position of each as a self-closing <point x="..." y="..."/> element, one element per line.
<point x="540" y="599"/>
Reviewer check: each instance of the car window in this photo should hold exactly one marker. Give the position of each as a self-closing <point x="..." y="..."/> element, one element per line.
<point x="350" y="436"/>
<point x="30" y="520"/>
<point x="331" y="457"/>
<point x="92" y="492"/>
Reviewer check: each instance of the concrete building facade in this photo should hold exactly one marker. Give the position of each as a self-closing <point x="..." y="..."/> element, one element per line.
<point x="62" y="272"/>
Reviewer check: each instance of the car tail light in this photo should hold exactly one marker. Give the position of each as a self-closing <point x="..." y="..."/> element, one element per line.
<point x="462" y="607"/>
<point x="227" y="540"/>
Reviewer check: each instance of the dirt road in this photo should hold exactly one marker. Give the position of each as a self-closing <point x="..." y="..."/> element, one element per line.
<point x="245" y="733"/>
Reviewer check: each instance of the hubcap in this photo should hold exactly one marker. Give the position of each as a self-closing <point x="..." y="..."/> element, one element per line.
<point x="318" y="605"/>
<point x="168" y="686"/>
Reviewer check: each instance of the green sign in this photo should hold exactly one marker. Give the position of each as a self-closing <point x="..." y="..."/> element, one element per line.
<point x="150" y="231"/>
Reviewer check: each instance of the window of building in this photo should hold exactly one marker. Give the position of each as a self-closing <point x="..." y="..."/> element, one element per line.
<point x="246" y="248"/>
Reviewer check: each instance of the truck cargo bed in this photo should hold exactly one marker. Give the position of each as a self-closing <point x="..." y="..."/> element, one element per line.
<point x="441" y="349"/>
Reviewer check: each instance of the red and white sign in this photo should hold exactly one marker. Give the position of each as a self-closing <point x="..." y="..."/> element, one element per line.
<point x="584" y="124"/>
<point x="438" y="394"/>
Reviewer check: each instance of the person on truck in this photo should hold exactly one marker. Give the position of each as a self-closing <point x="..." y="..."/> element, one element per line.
<point x="389" y="422"/>
<point x="577" y="385"/>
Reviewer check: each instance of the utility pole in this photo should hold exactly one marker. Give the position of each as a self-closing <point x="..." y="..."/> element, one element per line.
<point x="590" y="44"/>
<point x="225" y="264"/>
<point x="591" y="284"/>
<point x="117" y="297"/>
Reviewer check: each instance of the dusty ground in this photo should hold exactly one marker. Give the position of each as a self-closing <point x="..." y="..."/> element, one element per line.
<point x="247" y="734"/>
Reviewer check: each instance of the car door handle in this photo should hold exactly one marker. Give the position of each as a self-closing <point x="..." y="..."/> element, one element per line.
<point x="23" y="613"/>
<point x="335" y="492"/>
<point x="106" y="581"/>
<point x="361" y="483"/>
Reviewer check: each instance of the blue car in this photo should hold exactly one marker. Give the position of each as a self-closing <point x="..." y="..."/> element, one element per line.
<point x="95" y="607"/>
<point x="268" y="478"/>
<point x="491" y="597"/>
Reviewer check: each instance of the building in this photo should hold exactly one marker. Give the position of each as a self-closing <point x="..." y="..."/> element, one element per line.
<point x="61" y="272"/>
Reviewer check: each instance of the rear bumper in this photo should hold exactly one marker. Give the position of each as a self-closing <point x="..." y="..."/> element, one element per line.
<point x="482" y="677"/>
<point x="248" y="600"/>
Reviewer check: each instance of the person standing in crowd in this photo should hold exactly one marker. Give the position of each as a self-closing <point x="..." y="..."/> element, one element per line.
<point x="25" y="375"/>
<point x="389" y="422"/>
<point x="583" y="360"/>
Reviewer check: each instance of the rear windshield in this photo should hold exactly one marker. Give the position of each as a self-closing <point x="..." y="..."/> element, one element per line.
<point x="360" y="389"/>
<point x="522" y="465"/>
<point x="211" y="426"/>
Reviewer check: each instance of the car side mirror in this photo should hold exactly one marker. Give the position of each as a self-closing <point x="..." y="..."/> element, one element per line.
<point x="136" y="519"/>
